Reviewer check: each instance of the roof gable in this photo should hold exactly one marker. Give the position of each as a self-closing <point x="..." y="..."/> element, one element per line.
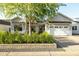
<point x="61" y="18"/>
<point x="18" y="19"/>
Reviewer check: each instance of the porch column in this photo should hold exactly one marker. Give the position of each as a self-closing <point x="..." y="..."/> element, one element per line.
<point x="37" y="29"/>
<point x="45" y="27"/>
<point x="23" y="28"/>
<point x="12" y="26"/>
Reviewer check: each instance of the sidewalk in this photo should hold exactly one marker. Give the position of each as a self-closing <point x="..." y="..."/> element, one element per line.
<point x="55" y="52"/>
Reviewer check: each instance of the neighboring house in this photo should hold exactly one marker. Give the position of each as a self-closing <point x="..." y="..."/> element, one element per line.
<point x="75" y="26"/>
<point x="59" y="25"/>
<point x="4" y="25"/>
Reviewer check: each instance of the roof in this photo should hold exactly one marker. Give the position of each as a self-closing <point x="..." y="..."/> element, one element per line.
<point x="59" y="18"/>
<point x="62" y="18"/>
<point x="18" y="19"/>
<point x="4" y="22"/>
<point x="76" y="20"/>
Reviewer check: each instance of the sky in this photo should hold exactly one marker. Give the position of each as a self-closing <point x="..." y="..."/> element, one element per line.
<point x="71" y="10"/>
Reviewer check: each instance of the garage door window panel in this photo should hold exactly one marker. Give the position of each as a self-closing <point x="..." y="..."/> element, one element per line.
<point x="65" y="26"/>
<point x="51" y="26"/>
<point x="60" y="27"/>
<point x="56" y="26"/>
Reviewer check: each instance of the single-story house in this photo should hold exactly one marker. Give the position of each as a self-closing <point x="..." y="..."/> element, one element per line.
<point x="75" y="26"/>
<point x="59" y="25"/>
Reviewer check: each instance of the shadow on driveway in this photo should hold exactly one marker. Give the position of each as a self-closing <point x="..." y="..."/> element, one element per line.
<point x="65" y="42"/>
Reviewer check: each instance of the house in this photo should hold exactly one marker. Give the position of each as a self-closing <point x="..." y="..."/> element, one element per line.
<point x="75" y="26"/>
<point x="59" y="25"/>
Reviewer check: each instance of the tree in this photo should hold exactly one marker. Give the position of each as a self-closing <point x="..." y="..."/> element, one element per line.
<point x="32" y="11"/>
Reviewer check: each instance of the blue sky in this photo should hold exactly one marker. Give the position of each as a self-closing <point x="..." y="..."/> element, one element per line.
<point x="71" y="10"/>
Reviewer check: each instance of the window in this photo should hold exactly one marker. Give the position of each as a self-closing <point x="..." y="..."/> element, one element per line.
<point x="65" y="27"/>
<point x="17" y="28"/>
<point x="74" y="27"/>
<point x="60" y="26"/>
<point x="56" y="26"/>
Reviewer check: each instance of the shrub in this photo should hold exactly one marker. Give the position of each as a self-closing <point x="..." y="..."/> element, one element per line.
<point x="10" y="38"/>
<point x="26" y="38"/>
<point x="2" y="37"/>
<point x="46" y="38"/>
<point x="34" y="37"/>
<point x="17" y="38"/>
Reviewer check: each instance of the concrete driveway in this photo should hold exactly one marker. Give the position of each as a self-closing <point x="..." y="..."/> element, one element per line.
<point x="68" y="41"/>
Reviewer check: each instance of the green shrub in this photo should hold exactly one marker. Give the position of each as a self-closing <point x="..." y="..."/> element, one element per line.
<point x="34" y="37"/>
<point x="26" y="38"/>
<point x="2" y="37"/>
<point x="10" y="38"/>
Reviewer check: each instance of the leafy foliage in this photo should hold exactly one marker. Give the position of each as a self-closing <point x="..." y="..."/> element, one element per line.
<point x="30" y="10"/>
<point x="11" y="38"/>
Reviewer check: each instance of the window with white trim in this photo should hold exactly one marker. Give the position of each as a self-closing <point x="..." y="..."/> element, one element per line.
<point x="74" y="27"/>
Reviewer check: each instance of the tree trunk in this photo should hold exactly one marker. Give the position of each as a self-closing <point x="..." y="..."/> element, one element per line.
<point x="29" y="27"/>
<point x="26" y="27"/>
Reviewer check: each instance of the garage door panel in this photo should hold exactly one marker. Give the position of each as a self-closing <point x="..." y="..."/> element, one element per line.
<point x="60" y="30"/>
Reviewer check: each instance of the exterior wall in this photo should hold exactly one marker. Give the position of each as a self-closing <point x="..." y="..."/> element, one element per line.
<point x="4" y="27"/>
<point x="75" y="31"/>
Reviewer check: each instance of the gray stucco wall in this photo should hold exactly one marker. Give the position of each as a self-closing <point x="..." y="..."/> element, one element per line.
<point x="4" y="27"/>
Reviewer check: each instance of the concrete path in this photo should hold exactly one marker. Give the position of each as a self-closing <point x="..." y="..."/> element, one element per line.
<point x="28" y="52"/>
<point x="56" y="52"/>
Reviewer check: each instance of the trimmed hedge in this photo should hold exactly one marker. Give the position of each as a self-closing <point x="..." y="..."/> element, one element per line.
<point x="11" y="38"/>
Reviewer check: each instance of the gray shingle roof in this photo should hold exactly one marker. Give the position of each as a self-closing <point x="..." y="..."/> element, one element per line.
<point x="62" y="18"/>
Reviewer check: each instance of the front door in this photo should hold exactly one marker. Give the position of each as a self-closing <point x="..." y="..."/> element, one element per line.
<point x="41" y="28"/>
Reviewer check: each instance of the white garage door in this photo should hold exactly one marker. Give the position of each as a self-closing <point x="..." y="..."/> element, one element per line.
<point x="60" y="30"/>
